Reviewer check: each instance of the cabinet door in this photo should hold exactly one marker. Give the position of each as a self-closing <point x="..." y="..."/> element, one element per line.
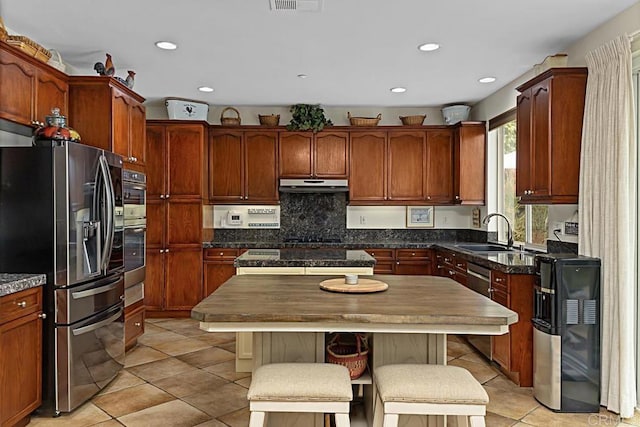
<point x="156" y="160"/>
<point x="295" y="155"/>
<point x="20" y="368"/>
<point x="51" y="92"/>
<point x="368" y="166"/>
<point x="406" y="165"/>
<point x="215" y="274"/>
<point x="137" y="138"/>
<point x="154" y="279"/>
<point x="541" y="139"/>
<point x="331" y="155"/>
<point x="156" y="217"/>
<point x="523" y="144"/>
<point x="439" y="170"/>
<point x="226" y="171"/>
<point x="185" y="145"/>
<point x="470" y="152"/>
<point x="184" y="223"/>
<point x="261" y="171"/>
<point x="501" y="350"/>
<point x="17" y="80"/>
<point x="183" y="278"/>
<point x="121" y="124"/>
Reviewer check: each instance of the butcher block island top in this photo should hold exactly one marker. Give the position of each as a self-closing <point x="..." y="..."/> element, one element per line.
<point x="411" y="304"/>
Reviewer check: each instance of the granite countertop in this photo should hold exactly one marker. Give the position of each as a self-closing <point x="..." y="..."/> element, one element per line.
<point x="12" y="283"/>
<point x="514" y="262"/>
<point x="304" y="257"/>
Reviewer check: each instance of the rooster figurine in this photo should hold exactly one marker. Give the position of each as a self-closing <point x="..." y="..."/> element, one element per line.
<point x="129" y="81"/>
<point x="106" y="69"/>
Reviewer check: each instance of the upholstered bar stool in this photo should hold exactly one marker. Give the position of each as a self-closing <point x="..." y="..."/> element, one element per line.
<point x="428" y="390"/>
<point x="300" y="387"/>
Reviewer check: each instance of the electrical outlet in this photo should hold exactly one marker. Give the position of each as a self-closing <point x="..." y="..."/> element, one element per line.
<point x="363" y="220"/>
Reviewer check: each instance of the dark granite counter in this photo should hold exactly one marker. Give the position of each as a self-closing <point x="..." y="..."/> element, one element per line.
<point x="12" y="283"/>
<point x="514" y="262"/>
<point x="304" y="257"/>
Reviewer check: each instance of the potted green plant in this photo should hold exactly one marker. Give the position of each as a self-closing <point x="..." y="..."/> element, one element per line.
<point x="307" y="117"/>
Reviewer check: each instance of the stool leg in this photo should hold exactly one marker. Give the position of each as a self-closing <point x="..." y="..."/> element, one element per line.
<point x="342" y="420"/>
<point x="390" y="420"/>
<point x="257" y="419"/>
<point x="476" y="421"/>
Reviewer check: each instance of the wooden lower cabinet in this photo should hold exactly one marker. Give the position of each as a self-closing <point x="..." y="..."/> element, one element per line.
<point x="20" y="356"/>
<point x="218" y="268"/>
<point x="402" y="261"/>
<point x="385" y="260"/>
<point x="513" y="352"/>
<point x="133" y="324"/>
<point x="448" y="264"/>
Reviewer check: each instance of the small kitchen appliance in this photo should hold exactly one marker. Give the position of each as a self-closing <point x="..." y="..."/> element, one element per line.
<point x="566" y="333"/>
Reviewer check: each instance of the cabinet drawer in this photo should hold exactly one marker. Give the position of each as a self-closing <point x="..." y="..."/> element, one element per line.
<point x="448" y="258"/>
<point x="460" y="265"/>
<point x="500" y="281"/>
<point x="410" y="254"/>
<point x="133" y="325"/>
<point x="383" y="267"/>
<point x="20" y="304"/>
<point x="500" y="297"/>
<point x="381" y="254"/>
<point x="221" y="254"/>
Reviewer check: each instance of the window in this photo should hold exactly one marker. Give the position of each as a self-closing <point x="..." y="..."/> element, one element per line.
<point x="529" y="222"/>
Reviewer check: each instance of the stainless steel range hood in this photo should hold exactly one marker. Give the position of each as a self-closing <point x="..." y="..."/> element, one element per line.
<point x="314" y="185"/>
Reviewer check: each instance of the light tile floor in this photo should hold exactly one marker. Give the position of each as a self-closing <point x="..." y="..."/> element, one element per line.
<point x="181" y="376"/>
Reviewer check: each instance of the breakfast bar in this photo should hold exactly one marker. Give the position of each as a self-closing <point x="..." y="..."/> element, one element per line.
<point x="407" y="323"/>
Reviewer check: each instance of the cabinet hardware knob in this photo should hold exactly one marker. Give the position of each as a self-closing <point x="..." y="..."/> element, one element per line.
<point x="161" y="250"/>
<point x="498" y="279"/>
<point x="166" y="196"/>
<point x="398" y="262"/>
<point x="428" y="197"/>
<point x="137" y="324"/>
<point x="452" y="273"/>
<point x="221" y="253"/>
<point x="42" y="315"/>
<point x="413" y="254"/>
<point x="21" y="304"/>
<point x="166" y="251"/>
<point x="457" y="197"/>
<point x="459" y="264"/>
<point x="490" y="290"/>
<point x="162" y="196"/>
<point x="135" y="159"/>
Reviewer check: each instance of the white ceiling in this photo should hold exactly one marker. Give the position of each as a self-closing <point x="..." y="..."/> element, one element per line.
<point x="353" y="51"/>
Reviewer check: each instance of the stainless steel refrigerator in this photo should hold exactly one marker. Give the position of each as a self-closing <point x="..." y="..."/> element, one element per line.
<point x="61" y="214"/>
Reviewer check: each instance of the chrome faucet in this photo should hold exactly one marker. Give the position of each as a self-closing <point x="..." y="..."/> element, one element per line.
<point x="486" y="219"/>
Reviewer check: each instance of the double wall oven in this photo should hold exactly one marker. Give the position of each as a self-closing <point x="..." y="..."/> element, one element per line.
<point x="62" y="215"/>
<point x="135" y="230"/>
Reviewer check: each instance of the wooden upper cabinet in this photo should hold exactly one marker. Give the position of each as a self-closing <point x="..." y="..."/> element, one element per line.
<point x="226" y="170"/>
<point x="260" y="166"/>
<point x="368" y="167"/>
<point x="406" y="165"/>
<point x="296" y="155"/>
<point x="470" y="163"/>
<point x="439" y="170"/>
<point x="307" y="155"/>
<point x="175" y="160"/>
<point x="243" y="166"/>
<point x="109" y="115"/>
<point x="550" y="111"/>
<point x="30" y="88"/>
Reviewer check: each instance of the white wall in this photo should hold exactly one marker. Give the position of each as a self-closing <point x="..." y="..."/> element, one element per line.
<point x="395" y="217"/>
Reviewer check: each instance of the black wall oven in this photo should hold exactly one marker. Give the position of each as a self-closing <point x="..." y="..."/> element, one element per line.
<point x="135" y="227"/>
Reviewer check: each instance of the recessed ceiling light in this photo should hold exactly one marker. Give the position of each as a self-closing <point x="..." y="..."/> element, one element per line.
<point x="487" y="80"/>
<point x="428" y="47"/>
<point x="398" y="89"/>
<point x="166" y="45"/>
<point x="205" y="89"/>
<point x="302" y="76"/>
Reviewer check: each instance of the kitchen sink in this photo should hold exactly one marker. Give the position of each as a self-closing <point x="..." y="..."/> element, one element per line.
<point x="483" y="247"/>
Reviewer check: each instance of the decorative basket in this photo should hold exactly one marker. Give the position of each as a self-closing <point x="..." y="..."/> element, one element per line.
<point x="270" y="120"/>
<point x="412" y="120"/>
<point x="353" y="356"/>
<point x="364" y="121"/>
<point x="30" y="47"/>
<point x="230" y="121"/>
<point x="3" y="30"/>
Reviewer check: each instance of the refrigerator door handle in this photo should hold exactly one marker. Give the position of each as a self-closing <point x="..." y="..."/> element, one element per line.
<point x="96" y="291"/>
<point x="94" y="326"/>
<point x="110" y="204"/>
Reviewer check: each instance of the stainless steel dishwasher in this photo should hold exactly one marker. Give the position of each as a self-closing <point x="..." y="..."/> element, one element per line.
<point x="479" y="280"/>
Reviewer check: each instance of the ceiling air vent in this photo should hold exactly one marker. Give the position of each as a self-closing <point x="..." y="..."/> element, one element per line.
<point x="296" y="5"/>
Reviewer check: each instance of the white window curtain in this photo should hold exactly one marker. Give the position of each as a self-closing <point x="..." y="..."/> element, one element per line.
<point x="607" y="213"/>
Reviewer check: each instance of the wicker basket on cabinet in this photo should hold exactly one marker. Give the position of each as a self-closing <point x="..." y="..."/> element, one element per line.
<point x="364" y="121"/>
<point x="353" y="356"/>
<point x="269" y="120"/>
<point x="412" y="120"/>
<point x="230" y="121"/>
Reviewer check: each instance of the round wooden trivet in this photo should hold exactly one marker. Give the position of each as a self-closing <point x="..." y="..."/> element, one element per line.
<point x="364" y="286"/>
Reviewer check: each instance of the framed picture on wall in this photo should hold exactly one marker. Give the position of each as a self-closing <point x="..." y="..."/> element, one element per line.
<point x="420" y="216"/>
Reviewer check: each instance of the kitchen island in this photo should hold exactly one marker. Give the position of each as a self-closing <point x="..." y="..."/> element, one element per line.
<point x="407" y="323"/>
